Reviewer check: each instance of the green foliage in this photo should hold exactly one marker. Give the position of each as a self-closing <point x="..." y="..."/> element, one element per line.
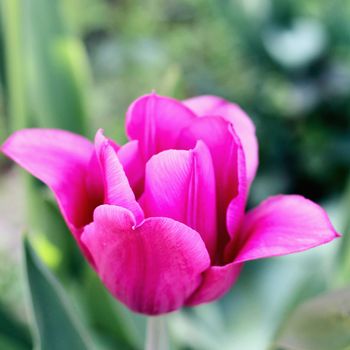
<point x="12" y="332"/>
<point x="343" y="267"/>
<point x="56" y="324"/>
<point x="322" y="323"/>
<point x="112" y="321"/>
<point x="11" y="20"/>
<point x="45" y="67"/>
<point x="57" y="68"/>
<point x="263" y="298"/>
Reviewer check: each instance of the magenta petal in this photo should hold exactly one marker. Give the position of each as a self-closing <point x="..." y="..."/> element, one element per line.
<point x="117" y="188"/>
<point x="181" y="185"/>
<point x="244" y="127"/>
<point x="217" y="281"/>
<point x="60" y="159"/>
<point x="152" y="268"/>
<point x="236" y="209"/>
<point x="204" y="104"/>
<point x="156" y="122"/>
<point x="133" y="164"/>
<point x="229" y="166"/>
<point x="282" y="225"/>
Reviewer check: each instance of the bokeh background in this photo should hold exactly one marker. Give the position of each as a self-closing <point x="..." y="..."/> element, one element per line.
<point x="78" y="64"/>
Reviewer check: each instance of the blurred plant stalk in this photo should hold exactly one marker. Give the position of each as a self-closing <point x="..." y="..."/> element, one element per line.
<point x="47" y="81"/>
<point x="46" y="67"/>
<point x="157" y="334"/>
<point x="11" y="19"/>
<point x="343" y="275"/>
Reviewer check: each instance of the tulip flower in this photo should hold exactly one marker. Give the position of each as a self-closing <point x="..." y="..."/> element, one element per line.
<point x="162" y="218"/>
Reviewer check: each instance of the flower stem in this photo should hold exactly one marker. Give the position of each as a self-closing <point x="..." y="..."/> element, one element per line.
<point x="157" y="334"/>
<point x="343" y="268"/>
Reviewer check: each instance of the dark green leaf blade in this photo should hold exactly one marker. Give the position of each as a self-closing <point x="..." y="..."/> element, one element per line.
<point x="13" y="330"/>
<point x="57" y="326"/>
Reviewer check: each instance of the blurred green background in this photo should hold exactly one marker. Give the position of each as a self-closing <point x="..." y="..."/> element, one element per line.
<point x="78" y="64"/>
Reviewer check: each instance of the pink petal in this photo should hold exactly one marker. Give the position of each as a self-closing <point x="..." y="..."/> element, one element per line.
<point x="204" y="104"/>
<point x="229" y="166"/>
<point x="59" y="159"/>
<point x="156" y="122"/>
<point x="117" y="187"/>
<point x="236" y="208"/>
<point x="94" y="181"/>
<point x="282" y="225"/>
<point x="152" y="268"/>
<point x="181" y="185"/>
<point x="133" y="164"/>
<point x="244" y="127"/>
<point x="217" y="281"/>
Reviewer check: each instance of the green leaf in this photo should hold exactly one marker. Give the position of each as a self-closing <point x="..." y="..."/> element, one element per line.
<point x="57" y="67"/>
<point x="16" y="101"/>
<point x="57" y="328"/>
<point x="46" y="67"/>
<point x="323" y="323"/>
<point x="10" y="344"/>
<point x="343" y="268"/>
<point x="13" y="332"/>
<point x="124" y="328"/>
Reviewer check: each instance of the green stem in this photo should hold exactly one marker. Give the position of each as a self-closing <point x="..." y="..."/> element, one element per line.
<point x="157" y="334"/>
<point x="344" y="252"/>
<point x="12" y="20"/>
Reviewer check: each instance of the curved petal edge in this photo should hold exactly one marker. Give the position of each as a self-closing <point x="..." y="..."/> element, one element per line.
<point x="282" y="225"/>
<point x="152" y="268"/>
<point x="217" y="281"/>
<point x="60" y="159"/>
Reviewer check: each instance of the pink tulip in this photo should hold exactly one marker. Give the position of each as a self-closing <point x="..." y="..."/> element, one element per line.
<point x="162" y="218"/>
